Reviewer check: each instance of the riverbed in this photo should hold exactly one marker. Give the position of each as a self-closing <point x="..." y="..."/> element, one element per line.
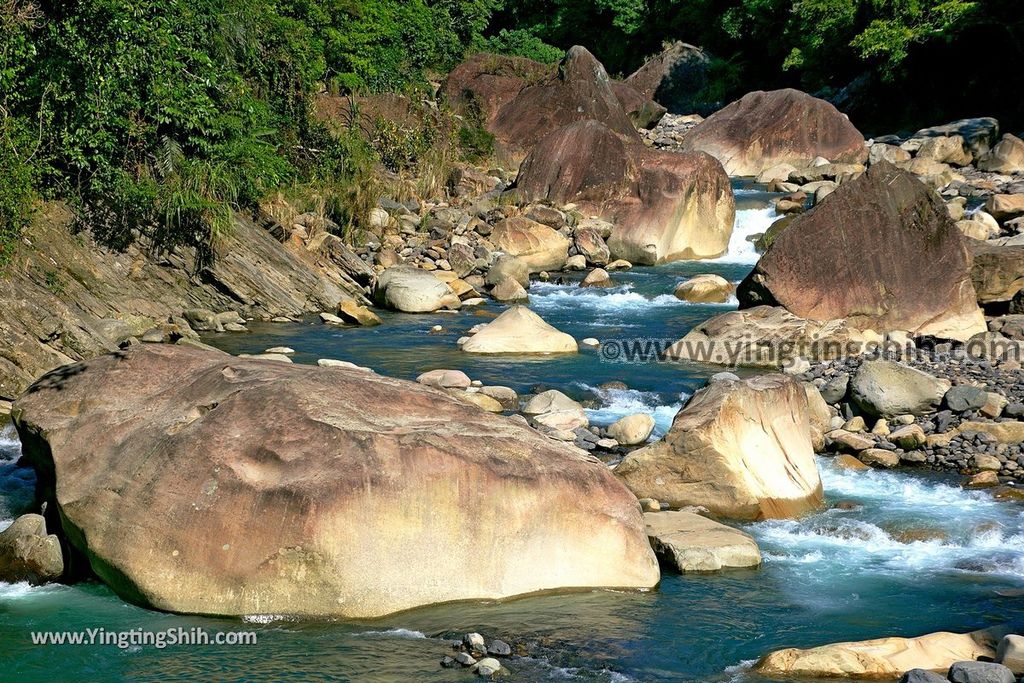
<point x="908" y="553"/>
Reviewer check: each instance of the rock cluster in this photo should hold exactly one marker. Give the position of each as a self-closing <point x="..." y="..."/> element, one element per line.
<point x="472" y="652"/>
<point x="944" y="410"/>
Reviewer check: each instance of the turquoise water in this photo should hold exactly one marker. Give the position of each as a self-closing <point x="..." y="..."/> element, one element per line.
<point x="916" y="554"/>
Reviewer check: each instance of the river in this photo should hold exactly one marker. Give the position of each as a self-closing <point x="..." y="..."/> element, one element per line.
<point x="912" y="553"/>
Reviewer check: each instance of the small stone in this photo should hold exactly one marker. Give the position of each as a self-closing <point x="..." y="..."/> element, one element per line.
<point x="632" y="429"/>
<point x="855" y="424"/>
<point x="922" y="676"/>
<point x="1010" y="653"/>
<point x="881" y="427"/>
<point x="499" y="648"/>
<point x="590" y="342"/>
<point x="331" y="319"/>
<point x="474" y="642"/>
<point x="283" y="350"/>
<point x="448" y="662"/>
<point x="986" y="463"/>
<point x="963" y="398"/>
<point x="445" y="379"/>
<point x="848" y="462"/>
<point x="465" y="659"/>
<point x="908" y="437"/>
<point x="982" y="480"/>
<point x="649" y="505"/>
<point x="487" y="667"/>
<point x="878" y="457"/>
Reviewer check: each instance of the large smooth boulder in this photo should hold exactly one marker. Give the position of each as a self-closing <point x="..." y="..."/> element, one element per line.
<point x="520" y="330"/>
<point x="1003" y="207"/>
<point x="674" y="78"/>
<point x="886" y="389"/>
<point x="412" y="290"/>
<point x="253" y="487"/>
<point x="705" y="459"/>
<point x="29" y="553"/>
<point x="1005" y="157"/>
<point x="997" y="271"/>
<point x="880" y="658"/>
<point x="665" y="206"/>
<point x="765" y="129"/>
<point x="535" y="244"/>
<point x="632" y="429"/>
<point x="768" y="336"/>
<point x="882" y="252"/>
<point x="688" y="542"/>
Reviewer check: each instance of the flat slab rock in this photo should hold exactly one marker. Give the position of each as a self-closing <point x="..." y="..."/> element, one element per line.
<point x="690" y="542"/>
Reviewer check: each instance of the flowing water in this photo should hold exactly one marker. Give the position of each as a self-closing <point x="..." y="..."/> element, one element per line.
<point x="906" y="555"/>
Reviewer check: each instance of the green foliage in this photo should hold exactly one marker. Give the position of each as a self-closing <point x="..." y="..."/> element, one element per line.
<point x="17" y="178"/>
<point x="522" y="43"/>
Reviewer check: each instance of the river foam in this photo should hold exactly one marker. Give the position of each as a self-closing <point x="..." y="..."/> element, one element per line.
<point x="618" y="403"/>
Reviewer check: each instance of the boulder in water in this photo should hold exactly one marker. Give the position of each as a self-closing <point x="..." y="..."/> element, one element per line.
<point x="688" y="542"/>
<point x="665" y="206"/>
<point x="705" y="289"/>
<point x="520" y="330"/>
<point x="882" y="657"/>
<point x="705" y="457"/>
<point x="861" y="255"/>
<point x="765" y="129"/>
<point x="533" y="243"/>
<point x="251" y="487"/>
<point x="1005" y="157"/>
<point x="632" y="429"/>
<point x="412" y="290"/>
<point x="29" y="553"/>
<point x="980" y="672"/>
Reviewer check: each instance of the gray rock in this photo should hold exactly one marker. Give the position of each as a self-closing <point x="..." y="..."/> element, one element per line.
<point x="922" y="676"/>
<point x="980" y="672"/>
<point x="834" y="390"/>
<point x="411" y="290"/>
<point x="465" y="659"/>
<point x="28" y="553"/>
<point x="885" y="389"/>
<point x="487" y="667"/>
<point x="499" y="648"/>
<point x="963" y="398"/>
<point x="474" y="642"/>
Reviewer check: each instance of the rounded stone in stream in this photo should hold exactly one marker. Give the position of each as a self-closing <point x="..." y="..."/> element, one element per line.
<point x="499" y="648"/>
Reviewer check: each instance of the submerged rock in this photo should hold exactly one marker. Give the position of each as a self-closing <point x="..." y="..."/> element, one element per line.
<point x="705" y="457"/>
<point x="688" y="542"/>
<point x="255" y="487"/>
<point x="882" y="657"/>
<point x="765" y="129"/>
<point x="519" y="330"/>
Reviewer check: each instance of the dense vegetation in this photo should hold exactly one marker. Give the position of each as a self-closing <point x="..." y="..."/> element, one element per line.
<point x="162" y="117"/>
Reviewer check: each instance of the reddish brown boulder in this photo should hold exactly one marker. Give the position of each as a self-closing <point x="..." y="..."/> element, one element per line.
<point x="521" y="101"/>
<point x="642" y="110"/>
<point x="674" y="78"/>
<point x="666" y="206"/>
<point x="881" y="252"/>
<point x="488" y="82"/>
<point x="765" y="129"/>
<point x="197" y="482"/>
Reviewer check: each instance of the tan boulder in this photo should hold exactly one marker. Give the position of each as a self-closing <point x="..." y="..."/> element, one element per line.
<point x="632" y="429"/>
<point x="1005" y="157"/>
<point x="768" y="336"/>
<point x="665" y="206"/>
<point x="689" y="542"/>
<point x="511" y="291"/>
<point x="1005" y="206"/>
<point x="412" y="290"/>
<point x="765" y="129"/>
<point x="882" y="658"/>
<point x="946" y="149"/>
<point x="704" y="459"/>
<point x="269" y="488"/>
<point x="705" y="289"/>
<point x="29" y="553"/>
<point x="350" y="311"/>
<point x="598" y="277"/>
<point x="520" y="330"/>
<point x="535" y="244"/>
